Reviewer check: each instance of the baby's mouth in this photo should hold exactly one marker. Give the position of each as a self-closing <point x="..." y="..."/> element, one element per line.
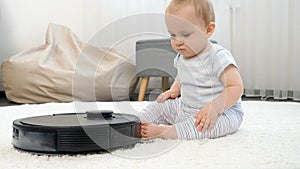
<point x="181" y="49"/>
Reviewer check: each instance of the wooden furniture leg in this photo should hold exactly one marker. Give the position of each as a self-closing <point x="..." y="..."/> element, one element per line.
<point x="143" y="88"/>
<point x="165" y="83"/>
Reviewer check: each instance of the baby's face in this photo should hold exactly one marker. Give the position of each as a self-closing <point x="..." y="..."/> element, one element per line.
<point x="188" y="33"/>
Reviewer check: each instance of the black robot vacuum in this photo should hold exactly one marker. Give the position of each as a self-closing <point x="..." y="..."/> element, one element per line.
<point x="91" y="131"/>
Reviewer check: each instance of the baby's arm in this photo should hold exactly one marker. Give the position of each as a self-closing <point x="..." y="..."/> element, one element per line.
<point x="233" y="90"/>
<point x="173" y="92"/>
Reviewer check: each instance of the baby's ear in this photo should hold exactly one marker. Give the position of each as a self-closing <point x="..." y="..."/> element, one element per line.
<point x="210" y="29"/>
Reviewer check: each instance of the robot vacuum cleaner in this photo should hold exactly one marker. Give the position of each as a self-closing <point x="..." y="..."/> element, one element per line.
<point x="91" y="131"/>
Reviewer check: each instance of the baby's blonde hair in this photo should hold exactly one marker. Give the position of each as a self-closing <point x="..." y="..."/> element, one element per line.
<point x="203" y="9"/>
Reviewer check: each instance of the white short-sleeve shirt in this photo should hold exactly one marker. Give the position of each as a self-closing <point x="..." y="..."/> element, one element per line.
<point x="200" y="76"/>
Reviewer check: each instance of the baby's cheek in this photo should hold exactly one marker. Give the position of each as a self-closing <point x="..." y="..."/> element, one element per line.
<point x="199" y="45"/>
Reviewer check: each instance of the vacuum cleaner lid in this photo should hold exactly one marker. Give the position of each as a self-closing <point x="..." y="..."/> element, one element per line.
<point x="90" y="118"/>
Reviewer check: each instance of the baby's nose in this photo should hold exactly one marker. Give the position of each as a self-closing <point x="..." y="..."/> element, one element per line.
<point x="178" y="42"/>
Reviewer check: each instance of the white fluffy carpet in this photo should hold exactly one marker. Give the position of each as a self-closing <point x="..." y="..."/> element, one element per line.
<point x="268" y="138"/>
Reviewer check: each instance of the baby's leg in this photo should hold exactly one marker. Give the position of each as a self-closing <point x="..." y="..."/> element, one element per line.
<point x="156" y="114"/>
<point x="227" y="123"/>
<point x="161" y="113"/>
<point x="153" y="113"/>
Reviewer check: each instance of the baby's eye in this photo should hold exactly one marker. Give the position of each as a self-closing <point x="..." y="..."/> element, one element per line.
<point x="172" y="35"/>
<point x="186" y="35"/>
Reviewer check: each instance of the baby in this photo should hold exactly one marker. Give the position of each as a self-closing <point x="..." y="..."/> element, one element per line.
<point x="204" y="100"/>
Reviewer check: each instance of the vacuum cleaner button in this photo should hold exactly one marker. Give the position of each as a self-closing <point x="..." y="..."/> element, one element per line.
<point x="99" y="114"/>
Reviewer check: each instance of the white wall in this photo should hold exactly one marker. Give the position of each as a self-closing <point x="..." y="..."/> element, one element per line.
<point x="24" y="22"/>
<point x="223" y="32"/>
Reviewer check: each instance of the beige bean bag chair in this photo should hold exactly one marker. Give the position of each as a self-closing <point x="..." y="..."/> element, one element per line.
<point x="66" y="69"/>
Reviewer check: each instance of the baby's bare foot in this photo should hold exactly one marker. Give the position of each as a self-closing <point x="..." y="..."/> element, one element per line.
<point x="151" y="131"/>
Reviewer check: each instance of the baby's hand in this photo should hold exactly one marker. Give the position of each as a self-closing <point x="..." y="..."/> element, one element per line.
<point x="166" y="95"/>
<point x="206" y="118"/>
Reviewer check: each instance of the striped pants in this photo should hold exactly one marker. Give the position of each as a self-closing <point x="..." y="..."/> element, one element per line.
<point x="173" y="112"/>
